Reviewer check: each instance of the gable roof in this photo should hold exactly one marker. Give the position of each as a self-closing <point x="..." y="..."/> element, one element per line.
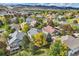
<point x="16" y="35"/>
<point x="48" y="29"/>
<point x="14" y="26"/>
<point x="13" y="19"/>
<point x="71" y="42"/>
<point x="29" y="20"/>
<point x="33" y="31"/>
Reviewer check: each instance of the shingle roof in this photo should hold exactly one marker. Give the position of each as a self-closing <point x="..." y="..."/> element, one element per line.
<point x="16" y="35"/>
<point x="33" y="31"/>
<point x="29" y="20"/>
<point x="48" y="29"/>
<point x="71" y="42"/>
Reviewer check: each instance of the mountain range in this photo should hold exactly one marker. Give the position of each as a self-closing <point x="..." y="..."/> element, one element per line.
<point x="45" y="5"/>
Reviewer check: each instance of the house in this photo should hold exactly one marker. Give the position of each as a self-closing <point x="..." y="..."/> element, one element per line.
<point x="64" y="38"/>
<point x="61" y="18"/>
<point x="30" y="21"/>
<point x="39" y="16"/>
<point x="2" y="30"/>
<point x="77" y="16"/>
<point x="13" y="20"/>
<point x="45" y="20"/>
<point x="32" y="32"/>
<point x="72" y="43"/>
<point x="48" y="29"/>
<point x="76" y="35"/>
<point x="14" y="26"/>
<point x="14" y="40"/>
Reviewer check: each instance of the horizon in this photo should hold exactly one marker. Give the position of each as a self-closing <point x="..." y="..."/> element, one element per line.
<point x="76" y="5"/>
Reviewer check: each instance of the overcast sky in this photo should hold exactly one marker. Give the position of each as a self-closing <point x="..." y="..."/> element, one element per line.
<point x="38" y="1"/>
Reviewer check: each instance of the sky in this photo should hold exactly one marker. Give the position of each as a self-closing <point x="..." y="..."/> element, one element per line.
<point x="71" y="3"/>
<point x="39" y="1"/>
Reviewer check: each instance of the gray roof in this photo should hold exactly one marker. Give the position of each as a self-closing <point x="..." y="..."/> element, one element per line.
<point x="76" y="24"/>
<point x="33" y="31"/>
<point x="16" y="36"/>
<point x="13" y="19"/>
<point x="14" y="26"/>
<point x="71" y="42"/>
<point x="29" y="20"/>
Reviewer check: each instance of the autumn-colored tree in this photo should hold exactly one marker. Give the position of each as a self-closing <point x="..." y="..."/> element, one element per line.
<point x="39" y="39"/>
<point x="24" y="27"/>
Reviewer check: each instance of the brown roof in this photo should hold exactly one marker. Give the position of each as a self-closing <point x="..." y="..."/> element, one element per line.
<point x="49" y="29"/>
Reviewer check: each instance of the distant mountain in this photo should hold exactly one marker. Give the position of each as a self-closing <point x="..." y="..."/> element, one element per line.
<point x="44" y="5"/>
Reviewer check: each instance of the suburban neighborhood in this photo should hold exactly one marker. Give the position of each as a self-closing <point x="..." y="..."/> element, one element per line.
<point x="38" y="31"/>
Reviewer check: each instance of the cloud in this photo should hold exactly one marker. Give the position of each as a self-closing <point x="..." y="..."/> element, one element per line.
<point x="39" y="1"/>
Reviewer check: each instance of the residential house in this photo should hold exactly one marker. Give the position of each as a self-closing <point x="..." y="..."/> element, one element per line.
<point x="72" y="43"/>
<point x="14" y="40"/>
<point x="39" y="16"/>
<point x="61" y="18"/>
<point x="77" y="16"/>
<point x="48" y="29"/>
<point x="76" y="35"/>
<point x="13" y="20"/>
<point x="32" y="32"/>
<point x="2" y="30"/>
<point x="45" y="21"/>
<point x="14" y="26"/>
<point x="31" y="21"/>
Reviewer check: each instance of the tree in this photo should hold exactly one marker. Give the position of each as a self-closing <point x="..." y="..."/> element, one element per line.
<point x="25" y="27"/>
<point x="20" y="20"/>
<point x="22" y="53"/>
<point x="40" y="20"/>
<point x="49" y="39"/>
<point x="75" y="28"/>
<point x="67" y="29"/>
<point x="39" y="39"/>
<point x="6" y="34"/>
<point x="51" y="23"/>
<point x="75" y="22"/>
<point x="3" y="46"/>
<point x="2" y="53"/>
<point x="58" y="49"/>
